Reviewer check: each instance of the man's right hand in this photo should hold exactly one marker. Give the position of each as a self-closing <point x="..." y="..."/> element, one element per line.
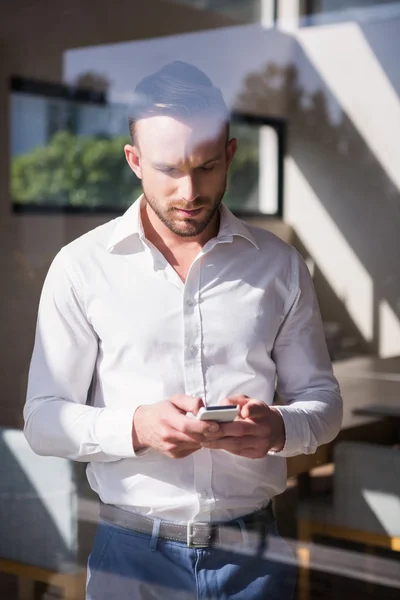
<point x="166" y="428"/>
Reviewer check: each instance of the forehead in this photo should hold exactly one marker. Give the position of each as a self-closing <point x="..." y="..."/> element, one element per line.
<point x="167" y="139"/>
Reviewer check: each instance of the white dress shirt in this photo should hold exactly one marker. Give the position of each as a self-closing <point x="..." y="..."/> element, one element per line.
<point x="117" y="328"/>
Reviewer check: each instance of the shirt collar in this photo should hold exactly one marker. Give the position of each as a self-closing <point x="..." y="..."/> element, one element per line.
<point x="130" y="224"/>
<point x="231" y="226"/>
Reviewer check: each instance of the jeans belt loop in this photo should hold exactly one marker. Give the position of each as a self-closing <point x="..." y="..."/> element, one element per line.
<point x="243" y="530"/>
<point x="154" y="535"/>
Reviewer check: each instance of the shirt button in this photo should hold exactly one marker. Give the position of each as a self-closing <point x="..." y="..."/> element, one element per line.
<point x="204" y="494"/>
<point x="192" y="349"/>
<point x="190" y="302"/>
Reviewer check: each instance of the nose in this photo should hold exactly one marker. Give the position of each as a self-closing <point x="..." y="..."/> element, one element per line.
<point x="188" y="188"/>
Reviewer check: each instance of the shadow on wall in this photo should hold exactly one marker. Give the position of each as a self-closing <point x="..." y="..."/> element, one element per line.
<point x="345" y="176"/>
<point x="343" y="338"/>
<point x="38" y="506"/>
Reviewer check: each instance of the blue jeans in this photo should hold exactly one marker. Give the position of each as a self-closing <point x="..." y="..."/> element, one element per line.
<point x="133" y="566"/>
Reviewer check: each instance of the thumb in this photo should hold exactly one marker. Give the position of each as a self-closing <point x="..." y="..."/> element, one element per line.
<point x="236" y="400"/>
<point x="254" y="409"/>
<point x="187" y="404"/>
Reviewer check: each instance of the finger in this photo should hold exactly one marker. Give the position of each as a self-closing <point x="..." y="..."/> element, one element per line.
<point x="254" y="409"/>
<point x="238" y="429"/>
<point x="186" y="453"/>
<point x="183" y="447"/>
<point x="176" y="436"/>
<point x="183" y="429"/>
<point x="191" y="404"/>
<point x="195" y="428"/>
<point x="232" y="444"/>
<point x="235" y="400"/>
<point x="250" y="452"/>
<point x="176" y="447"/>
<point x="175" y="421"/>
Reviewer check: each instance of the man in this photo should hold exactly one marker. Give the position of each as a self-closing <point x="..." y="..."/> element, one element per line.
<point x="174" y="306"/>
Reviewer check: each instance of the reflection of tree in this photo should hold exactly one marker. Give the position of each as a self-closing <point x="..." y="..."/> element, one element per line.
<point x="91" y="171"/>
<point x="75" y="170"/>
<point x="338" y="164"/>
<point x="277" y="91"/>
<point x="266" y="92"/>
<point x="243" y="173"/>
<point x="93" y="81"/>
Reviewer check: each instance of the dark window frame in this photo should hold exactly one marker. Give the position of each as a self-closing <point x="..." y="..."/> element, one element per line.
<point x="280" y="126"/>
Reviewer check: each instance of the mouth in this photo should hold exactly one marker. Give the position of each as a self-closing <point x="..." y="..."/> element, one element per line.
<point x="188" y="213"/>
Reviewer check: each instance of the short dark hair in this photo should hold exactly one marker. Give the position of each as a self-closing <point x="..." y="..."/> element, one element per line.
<point x="180" y="90"/>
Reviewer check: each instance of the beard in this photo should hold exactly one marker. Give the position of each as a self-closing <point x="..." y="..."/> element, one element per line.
<point x="187" y="226"/>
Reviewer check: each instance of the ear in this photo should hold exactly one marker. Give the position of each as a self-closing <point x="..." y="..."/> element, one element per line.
<point x="230" y="150"/>
<point x="132" y="156"/>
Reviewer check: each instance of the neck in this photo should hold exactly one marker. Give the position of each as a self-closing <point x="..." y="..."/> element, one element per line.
<point x="162" y="237"/>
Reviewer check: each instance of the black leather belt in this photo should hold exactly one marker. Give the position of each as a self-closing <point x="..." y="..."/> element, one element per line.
<point x="194" y="534"/>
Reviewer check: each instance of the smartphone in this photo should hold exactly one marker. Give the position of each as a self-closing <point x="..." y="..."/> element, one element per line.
<point x="220" y="414"/>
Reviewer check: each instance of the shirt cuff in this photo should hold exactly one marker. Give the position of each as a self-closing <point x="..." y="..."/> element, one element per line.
<point x="298" y="435"/>
<point x="114" y="432"/>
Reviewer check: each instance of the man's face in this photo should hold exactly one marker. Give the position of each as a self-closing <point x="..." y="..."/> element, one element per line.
<point x="183" y="167"/>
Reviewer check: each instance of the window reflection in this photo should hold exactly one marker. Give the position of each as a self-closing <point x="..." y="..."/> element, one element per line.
<point x="319" y="6"/>
<point x="335" y="92"/>
<point x="247" y="11"/>
<point x="67" y="153"/>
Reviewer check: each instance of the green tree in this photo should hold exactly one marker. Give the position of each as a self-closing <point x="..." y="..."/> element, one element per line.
<point x="88" y="171"/>
<point x="91" y="171"/>
<point x="244" y="170"/>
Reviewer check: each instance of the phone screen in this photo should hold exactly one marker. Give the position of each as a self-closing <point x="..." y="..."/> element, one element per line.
<point x="226" y="407"/>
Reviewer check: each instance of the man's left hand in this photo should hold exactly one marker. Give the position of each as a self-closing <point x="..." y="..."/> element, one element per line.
<point x="258" y="429"/>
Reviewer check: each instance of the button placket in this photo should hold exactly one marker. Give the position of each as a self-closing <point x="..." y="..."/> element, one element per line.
<point x="194" y="379"/>
<point x="203" y="480"/>
<point x="193" y="371"/>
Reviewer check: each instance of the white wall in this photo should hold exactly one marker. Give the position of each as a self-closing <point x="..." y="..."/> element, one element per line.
<point x="343" y="170"/>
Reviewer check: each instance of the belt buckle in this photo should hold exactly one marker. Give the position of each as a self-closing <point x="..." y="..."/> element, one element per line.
<point x="190" y="534"/>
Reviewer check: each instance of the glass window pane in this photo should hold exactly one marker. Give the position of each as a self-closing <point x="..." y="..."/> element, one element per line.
<point x="66" y="153"/>
<point x="70" y="155"/>
<point x="323" y="6"/>
<point x="243" y="10"/>
<point x="252" y="181"/>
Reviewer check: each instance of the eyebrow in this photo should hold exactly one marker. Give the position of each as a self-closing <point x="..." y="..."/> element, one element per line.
<point x="170" y="166"/>
<point x="211" y="160"/>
